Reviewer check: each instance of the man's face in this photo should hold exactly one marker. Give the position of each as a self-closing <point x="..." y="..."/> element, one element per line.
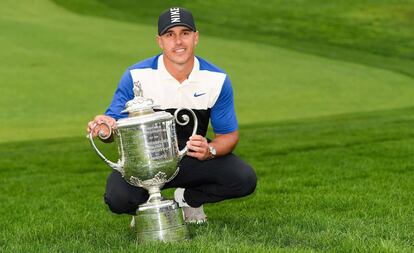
<point x="178" y="44"/>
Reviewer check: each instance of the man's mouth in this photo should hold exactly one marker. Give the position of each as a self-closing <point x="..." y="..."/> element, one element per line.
<point x="179" y="50"/>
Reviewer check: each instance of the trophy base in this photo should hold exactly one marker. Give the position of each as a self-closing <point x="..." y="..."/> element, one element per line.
<point x="161" y="221"/>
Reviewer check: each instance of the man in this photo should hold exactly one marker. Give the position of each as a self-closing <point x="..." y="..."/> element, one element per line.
<point x="177" y="78"/>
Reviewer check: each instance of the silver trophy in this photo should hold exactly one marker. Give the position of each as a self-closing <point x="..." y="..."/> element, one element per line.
<point x="149" y="157"/>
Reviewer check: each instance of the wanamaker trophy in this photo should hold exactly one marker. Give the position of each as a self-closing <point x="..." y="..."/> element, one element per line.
<point x="149" y="157"/>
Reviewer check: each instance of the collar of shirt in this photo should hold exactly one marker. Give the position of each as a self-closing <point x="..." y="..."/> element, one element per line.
<point x="164" y="74"/>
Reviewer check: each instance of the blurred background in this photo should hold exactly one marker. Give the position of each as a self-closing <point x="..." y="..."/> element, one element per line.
<point x="62" y="59"/>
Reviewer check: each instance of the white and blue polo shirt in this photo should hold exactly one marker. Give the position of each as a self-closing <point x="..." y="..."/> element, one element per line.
<point x="207" y="91"/>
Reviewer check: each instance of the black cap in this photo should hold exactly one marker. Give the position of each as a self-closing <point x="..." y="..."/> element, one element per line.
<point x="173" y="17"/>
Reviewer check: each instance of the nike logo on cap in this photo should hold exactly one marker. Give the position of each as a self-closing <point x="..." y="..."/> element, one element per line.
<point x="199" y="94"/>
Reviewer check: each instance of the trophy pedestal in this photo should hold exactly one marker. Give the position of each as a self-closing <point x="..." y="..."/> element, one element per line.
<point x="160" y="221"/>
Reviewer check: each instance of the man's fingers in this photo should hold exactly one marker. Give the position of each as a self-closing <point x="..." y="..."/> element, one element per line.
<point x="194" y="147"/>
<point x="197" y="138"/>
<point x="89" y="127"/>
<point x="97" y="128"/>
<point x="104" y="119"/>
<point x="196" y="143"/>
<point x="198" y="146"/>
<point x="195" y="155"/>
<point x="100" y="125"/>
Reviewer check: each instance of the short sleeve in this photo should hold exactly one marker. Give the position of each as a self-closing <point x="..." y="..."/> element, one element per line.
<point x="223" y="115"/>
<point x="123" y="94"/>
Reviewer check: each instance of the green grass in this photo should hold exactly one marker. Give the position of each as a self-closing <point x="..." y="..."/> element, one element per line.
<point x="60" y="69"/>
<point x="339" y="184"/>
<point x="378" y="33"/>
<point x="324" y="100"/>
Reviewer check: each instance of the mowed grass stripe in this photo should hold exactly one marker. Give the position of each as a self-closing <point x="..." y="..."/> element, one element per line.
<point x="376" y="33"/>
<point x="60" y="69"/>
<point x="340" y="183"/>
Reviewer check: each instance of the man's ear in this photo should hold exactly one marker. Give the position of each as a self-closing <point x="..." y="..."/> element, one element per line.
<point x="159" y="42"/>
<point x="196" y="37"/>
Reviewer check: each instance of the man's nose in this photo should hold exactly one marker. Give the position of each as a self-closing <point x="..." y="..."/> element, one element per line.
<point x="178" y="40"/>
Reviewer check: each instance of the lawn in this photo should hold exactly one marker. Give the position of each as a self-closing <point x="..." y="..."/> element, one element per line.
<point x="376" y="33"/>
<point x="340" y="183"/>
<point x="324" y="101"/>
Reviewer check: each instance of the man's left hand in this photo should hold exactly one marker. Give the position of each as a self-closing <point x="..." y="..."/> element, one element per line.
<point x="198" y="147"/>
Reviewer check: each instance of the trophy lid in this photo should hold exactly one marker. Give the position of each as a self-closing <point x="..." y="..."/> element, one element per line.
<point x="140" y="110"/>
<point x="139" y="105"/>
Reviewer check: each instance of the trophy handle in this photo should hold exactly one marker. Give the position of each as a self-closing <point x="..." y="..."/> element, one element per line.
<point x="116" y="166"/>
<point x="185" y="121"/>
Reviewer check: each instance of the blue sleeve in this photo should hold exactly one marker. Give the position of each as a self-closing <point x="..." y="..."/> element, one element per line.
<point x="223" y="115"/>
<point x="123" y="94"/>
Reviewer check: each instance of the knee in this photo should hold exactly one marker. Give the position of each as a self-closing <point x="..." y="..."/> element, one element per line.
<point x="121" y="197"/>
<point x="246" y="182"/>
<point x="119" y="205"/>
<point x="250" y="182"/>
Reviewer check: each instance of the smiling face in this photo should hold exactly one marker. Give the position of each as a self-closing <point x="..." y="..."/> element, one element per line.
<point x="178" y="45"/>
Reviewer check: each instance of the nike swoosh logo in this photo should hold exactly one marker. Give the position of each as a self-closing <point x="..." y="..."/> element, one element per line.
<point x="200" y="94"/>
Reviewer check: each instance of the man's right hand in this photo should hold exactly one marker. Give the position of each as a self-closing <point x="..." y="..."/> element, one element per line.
<point x="97" y="121"/>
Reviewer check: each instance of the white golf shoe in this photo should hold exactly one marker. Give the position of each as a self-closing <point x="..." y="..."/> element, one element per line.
<point x="194" y="215"/>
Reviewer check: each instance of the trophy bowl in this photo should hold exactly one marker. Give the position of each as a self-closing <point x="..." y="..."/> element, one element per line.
<point x="149" y="150"/>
